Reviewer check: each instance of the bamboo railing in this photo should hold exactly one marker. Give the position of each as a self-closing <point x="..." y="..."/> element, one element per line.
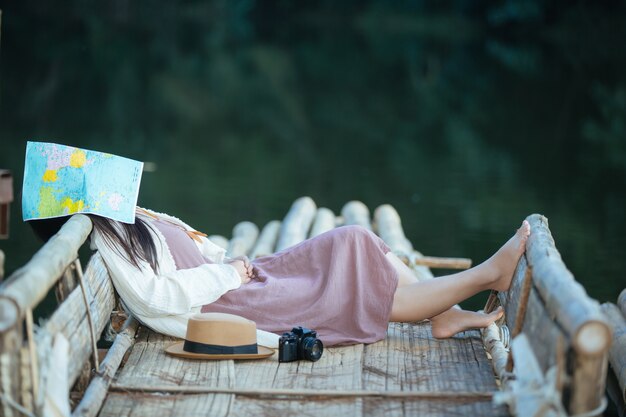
<point x="567" y="335"/>
<point x="27" y="368"/>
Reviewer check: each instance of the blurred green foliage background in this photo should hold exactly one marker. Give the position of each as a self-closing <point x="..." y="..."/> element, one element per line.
<point x="465" y="115"/>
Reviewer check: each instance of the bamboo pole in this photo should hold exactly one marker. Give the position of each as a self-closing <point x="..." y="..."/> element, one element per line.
<point x="266" y="242"/>
<point x="577" y="314"/>
<point x="323" y="222"/>
<point x="244" y="236"/>
<point x="565" y="298"/>
<point x="617" y="353"/>
<point x="308" y="393"/>
<point x="30" y="284"/>
<point x="220" y="241"/>
<point x="448" y="263"/>
<point x="356" y="213"/>
<point x="95" y="394"/>
<point x="388" y="225"/>
<point x="296" y="223"/>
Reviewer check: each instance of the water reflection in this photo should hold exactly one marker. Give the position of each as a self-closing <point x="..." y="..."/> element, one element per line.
<point x="466" y="121"/>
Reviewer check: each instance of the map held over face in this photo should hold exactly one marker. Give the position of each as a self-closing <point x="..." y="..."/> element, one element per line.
<point x="61" y="180"/>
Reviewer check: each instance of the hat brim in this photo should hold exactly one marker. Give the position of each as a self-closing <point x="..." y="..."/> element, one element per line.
<point x="177" y="350"/>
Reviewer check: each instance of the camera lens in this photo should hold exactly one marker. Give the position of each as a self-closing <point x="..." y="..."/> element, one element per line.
<point x="312" y="349"/>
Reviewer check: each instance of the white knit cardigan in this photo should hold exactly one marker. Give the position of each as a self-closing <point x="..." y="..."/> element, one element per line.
<point x="165" y="300"/>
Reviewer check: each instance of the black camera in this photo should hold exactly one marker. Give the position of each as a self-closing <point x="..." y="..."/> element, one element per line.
<point x="301" y="343"/>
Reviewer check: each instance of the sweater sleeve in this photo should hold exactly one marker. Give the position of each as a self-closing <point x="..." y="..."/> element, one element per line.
<point x="151" y="294"/>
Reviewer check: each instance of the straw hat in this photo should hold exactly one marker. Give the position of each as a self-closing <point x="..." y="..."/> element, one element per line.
<point x="219" y="336"/>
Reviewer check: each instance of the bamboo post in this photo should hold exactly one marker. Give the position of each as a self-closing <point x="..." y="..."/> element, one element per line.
<point x="447" y="263"/>
<point x="220" y="241"/>
<point x="266" y="242"/>
<point x="617" y="353"/>
<point x="356" y="213"/>
<point x="578" y="315"/>
<point x="244" y="236"/>
<point x="388" y="225"/>
<point x="95" y="394"/>
<point x="297" y="223"/>
<point x="323" y="222"/>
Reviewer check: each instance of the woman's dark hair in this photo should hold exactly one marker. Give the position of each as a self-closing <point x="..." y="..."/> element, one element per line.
<point x="132" y="240"/>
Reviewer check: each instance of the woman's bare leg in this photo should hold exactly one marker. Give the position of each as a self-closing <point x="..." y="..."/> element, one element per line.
<point x="405" y="275"/>
<point x="414" y="301"/>
<point x="454" y="319"/>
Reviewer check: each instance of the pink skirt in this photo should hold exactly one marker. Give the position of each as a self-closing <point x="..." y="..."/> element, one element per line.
<point x="339" y="283"/>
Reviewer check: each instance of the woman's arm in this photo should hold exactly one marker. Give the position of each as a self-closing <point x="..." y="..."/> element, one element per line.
<point x="170" y="291"/>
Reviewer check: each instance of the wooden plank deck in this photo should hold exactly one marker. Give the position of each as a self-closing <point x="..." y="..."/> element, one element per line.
<point x="409" y="360"/>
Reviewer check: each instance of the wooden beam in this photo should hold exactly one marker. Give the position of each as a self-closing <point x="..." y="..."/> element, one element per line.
<point x="306" y="393"/>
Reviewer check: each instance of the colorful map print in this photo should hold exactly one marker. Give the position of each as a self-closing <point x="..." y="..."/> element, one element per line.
<point x="60" y="180"/>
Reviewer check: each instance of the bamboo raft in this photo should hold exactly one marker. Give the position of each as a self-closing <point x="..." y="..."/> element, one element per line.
<point x="547" y="357"/>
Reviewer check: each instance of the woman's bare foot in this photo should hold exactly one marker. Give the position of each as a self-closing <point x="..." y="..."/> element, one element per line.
<point x="498" y="270"/>
<point x="455" y="320"/>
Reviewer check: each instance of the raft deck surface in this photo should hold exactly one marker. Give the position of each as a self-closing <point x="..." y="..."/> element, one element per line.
<point x="560" y="342"/>
<point x="408" y="360"/>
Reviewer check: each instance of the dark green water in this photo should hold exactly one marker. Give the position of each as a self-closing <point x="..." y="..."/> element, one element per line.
<point x="465" y="119"/>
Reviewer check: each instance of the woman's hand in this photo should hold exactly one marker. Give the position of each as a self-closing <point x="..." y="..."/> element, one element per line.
<point x="243" y="267"/>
